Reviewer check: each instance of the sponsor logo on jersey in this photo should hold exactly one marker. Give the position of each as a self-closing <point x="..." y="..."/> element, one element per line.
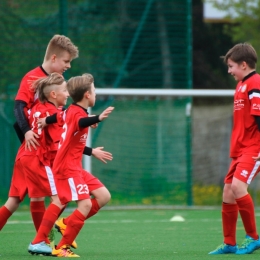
<point x="83" y="138"/>
<point x="244" y="173"/>
<point x="239" y="104"/>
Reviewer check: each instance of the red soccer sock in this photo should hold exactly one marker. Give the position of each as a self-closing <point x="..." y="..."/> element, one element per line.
<point x="37" y="211"/>
<point x="49" y="218"/>
<point x="94" y="209"/>
<point x="5" y="214"/>
<point x="75" y="224"/>
<point x="247" y="213"/>
<point x="229" y="222"/>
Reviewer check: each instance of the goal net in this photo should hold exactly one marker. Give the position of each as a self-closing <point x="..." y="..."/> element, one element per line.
<point x="166" y="148"/>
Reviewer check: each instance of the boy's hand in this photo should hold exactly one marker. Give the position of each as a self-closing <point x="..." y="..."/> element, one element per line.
<point x="41" y="122"/>
<point x="102" y="155"/>
<point x="105" y="113"/>
<point x="30" y="140"/>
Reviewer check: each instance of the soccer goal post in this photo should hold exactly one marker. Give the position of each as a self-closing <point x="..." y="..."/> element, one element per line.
<point x="162" y="145"/>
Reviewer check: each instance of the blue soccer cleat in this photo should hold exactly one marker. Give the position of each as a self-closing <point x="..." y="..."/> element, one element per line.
<point x="224" y="249"/>
<point x="248" y="246"/>
<point x="39" y="249"/>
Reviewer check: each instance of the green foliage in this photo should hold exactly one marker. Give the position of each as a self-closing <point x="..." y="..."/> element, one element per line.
<point x="207" y="195"/>
<point x="244" y="19"/>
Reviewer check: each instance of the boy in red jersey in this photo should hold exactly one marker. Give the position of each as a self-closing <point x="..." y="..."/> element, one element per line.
<point x="58" y="56"/>
<point x="244" y="149"/>
<point x="73" y="183"/>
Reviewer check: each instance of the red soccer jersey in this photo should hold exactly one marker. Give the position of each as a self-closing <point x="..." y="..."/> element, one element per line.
<point x="24" y="92"/>
<point x="245" y="134"/>
<point x="49" y="137"/>
<point x="68" y="161"/>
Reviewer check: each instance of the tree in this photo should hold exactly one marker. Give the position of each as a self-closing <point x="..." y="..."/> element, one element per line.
<point x="244" y="16"/>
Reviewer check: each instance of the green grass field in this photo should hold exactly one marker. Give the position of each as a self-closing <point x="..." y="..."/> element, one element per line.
<point x="132" y="235"/>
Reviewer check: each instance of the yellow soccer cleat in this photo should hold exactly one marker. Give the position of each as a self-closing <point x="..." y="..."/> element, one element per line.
<point x="64" y="251"/>
<point x="61" y="227"/>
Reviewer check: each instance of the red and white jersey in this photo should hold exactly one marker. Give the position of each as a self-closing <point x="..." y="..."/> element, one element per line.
<point x="245" y="134"/>
<point x="49" y="136"/>
<point x="68" y="161"/>
<point x="25" y="93"/>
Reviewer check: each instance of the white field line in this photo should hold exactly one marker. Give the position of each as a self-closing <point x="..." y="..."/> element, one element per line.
<point x="123" y="221"/>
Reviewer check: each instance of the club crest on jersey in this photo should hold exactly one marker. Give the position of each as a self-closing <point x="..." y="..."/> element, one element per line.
<point x="83" y="138"/>
<point x="243" y="88"/>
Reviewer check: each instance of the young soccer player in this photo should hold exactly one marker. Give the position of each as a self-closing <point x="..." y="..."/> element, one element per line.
<point x="75" y="130"/>
<point x="73" y="183"/>
<point x="245" y="146"/>
<point x="58" y="56"/>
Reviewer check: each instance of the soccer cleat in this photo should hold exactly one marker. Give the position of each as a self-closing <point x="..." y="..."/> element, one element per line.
<point x="248" y="246"/>
<point x="61" y="227"/>
<point x="64" y="251"/>
<point x="224" y="249"/>
<point x="39" y="249"/>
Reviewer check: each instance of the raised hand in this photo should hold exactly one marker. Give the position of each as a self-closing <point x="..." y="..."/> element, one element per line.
<point x="101" y="155"/>
<point x="105" y="113"/>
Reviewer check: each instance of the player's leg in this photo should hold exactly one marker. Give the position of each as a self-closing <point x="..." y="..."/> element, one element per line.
<point x="72" y="189"/>
<point x="17" y="192"/>
<point x="75" y="224"/>
<point x="100" y="195"/>
<point x="8" y="209"/>
<point x="247" y="169"/>
<point x="37" y="209"/>
<point x="229" y="216"/>
<point x="40" y="184"/>
<point x="38" y="245"/>
<point x="100" y="199"/>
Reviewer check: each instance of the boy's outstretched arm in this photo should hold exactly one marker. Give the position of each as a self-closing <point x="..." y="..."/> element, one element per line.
<point x="102" y="155"/>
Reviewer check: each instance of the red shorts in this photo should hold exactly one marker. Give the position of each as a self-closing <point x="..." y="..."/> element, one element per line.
<point x="18" y="187"/>
<point x="243" y="168"/>
<point x="39" y="178"/>
<point x="77" y="188"/>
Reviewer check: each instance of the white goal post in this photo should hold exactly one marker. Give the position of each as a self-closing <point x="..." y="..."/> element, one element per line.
<point x="165" y="92"/>
<point x="155" y="93"/>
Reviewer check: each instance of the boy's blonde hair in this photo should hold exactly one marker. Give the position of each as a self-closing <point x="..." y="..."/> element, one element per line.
<point x="242" y="52"/>
<point x="44" y="86"/>
<point x="58" y="44"/>
<point x="78" y="86"/>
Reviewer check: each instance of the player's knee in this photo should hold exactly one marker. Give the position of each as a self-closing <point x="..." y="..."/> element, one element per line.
<point x="84" y="206"/>
<point x="106" y="198"/>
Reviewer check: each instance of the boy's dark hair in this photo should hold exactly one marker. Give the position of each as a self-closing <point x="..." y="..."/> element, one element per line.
<point x="78" y="86"/>
<point x="242" y="52"/>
